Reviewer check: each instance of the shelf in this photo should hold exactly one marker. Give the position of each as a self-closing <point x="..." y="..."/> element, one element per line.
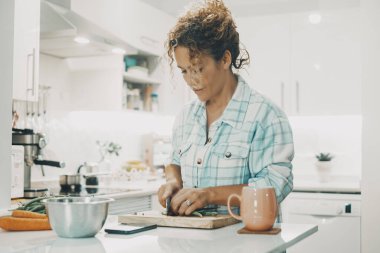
<point x="140" y="79"/>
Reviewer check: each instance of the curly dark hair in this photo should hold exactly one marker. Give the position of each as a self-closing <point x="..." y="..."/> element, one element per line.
<point x="207" y="28"/>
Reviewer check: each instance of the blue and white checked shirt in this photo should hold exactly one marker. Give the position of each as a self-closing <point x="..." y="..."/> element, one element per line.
<point x="251" y="142"/>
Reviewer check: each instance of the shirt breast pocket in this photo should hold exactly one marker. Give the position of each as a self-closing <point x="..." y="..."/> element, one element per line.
<point x="230" y="160"/>
<point x="185" y="156"/>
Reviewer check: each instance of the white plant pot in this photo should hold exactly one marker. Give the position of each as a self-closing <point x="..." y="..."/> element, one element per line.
<point x="324" y="170"/>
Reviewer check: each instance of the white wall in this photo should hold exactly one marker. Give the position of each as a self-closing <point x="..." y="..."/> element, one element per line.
<point x="371" y="126"/>
<point x="6" y="81"/>
<point x="84" y="105"/>
<point x="338" y="135"/>
<point x="100" y="87"/>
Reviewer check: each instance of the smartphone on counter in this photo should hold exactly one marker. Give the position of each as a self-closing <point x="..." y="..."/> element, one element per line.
<point x="127" y="229"/>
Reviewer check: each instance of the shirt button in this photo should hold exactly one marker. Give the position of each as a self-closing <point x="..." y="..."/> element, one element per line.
<point x="228" y="154"/>
<point x="199" y="161"/>
<point x="209" y="140"/>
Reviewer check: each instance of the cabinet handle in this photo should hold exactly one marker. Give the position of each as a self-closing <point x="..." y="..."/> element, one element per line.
<point x="297" y="97"/>
<point x="33" y="56"/>
<point x="282" y="95"/>
<point x="348" y="208"/>
<point x="34" y="73"/>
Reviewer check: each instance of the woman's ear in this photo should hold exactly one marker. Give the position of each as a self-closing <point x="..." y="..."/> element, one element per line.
<point x="227" y="59"/>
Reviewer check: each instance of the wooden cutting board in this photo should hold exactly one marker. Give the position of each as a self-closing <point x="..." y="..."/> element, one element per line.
<point x="155" y="217"/>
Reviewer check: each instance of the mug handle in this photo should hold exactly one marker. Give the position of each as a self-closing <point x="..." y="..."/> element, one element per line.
<point x="233" y="195"/>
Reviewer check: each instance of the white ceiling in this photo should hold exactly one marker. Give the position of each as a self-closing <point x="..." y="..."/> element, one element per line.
<point x="244" y="8"/>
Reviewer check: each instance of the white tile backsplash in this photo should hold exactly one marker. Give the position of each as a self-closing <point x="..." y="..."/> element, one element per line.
<point x="73" y="137"/>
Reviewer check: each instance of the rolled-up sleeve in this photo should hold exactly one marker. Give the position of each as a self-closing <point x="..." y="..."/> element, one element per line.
<point x="271" y="154"/>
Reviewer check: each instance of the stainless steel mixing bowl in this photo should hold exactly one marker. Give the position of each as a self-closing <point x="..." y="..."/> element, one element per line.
<point x="75" y="217"/>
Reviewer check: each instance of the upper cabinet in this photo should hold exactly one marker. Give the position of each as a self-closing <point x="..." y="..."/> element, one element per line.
<point x="326" y="62"/>
<point x="267" y="39"/>
<point x="140" y="25"/>
<point x="26" y="49"/>
<point x="306" y="62"/>
<point x="144" y="28"/>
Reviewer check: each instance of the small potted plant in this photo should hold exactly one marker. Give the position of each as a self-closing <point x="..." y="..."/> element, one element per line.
<point x="324" y="165"/>
<point x="107" y="149"/>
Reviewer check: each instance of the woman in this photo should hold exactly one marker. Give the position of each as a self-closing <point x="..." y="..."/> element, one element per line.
<point x="231" y="136"/>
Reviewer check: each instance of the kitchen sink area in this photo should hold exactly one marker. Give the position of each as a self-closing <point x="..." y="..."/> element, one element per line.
<point x="127" y="200"/>
<point x="84" y="191"/>
<point x="130" y="196"/>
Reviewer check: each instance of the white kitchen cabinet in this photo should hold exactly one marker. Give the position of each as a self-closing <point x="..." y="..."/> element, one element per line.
<point x="127" y="205"/>
<point x="145" y="28"/>
<point x="26" y="50"/>
<point x="138" y="23"/>
<point x="305" y="68"/>
<point x="337" y="216"/>
<point x="267" y="40"/>
<point x="325" y="63"/>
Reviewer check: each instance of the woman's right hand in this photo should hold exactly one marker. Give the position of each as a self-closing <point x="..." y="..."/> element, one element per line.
<point x="168" y="190"/>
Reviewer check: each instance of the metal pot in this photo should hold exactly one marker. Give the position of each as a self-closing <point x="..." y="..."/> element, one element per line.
<point x="89" y="169"/>
<point x="69" y="180"/>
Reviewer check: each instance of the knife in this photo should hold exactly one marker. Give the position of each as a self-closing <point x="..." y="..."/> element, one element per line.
<point x="168" y="200"/>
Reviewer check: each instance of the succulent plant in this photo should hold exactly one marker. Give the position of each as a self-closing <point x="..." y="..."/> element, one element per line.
<point x="324" y="157"/>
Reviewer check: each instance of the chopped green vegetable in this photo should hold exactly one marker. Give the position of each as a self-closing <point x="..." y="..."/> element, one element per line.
<point x="35" y="205"/>
<point x="195" y="213"/>
<point x="198" y="213"/>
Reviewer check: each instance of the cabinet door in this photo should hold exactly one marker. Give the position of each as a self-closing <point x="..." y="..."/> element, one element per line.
<point x="267" y="40"/>
<point x="26" y="50"/>
<point x="139" y="24"/>
<point x="325" y="63"/>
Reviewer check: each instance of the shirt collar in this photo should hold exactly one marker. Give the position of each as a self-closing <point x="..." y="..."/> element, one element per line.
<point x="234" y="113"/>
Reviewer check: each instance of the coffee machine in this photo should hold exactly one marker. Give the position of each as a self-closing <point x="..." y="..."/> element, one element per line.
<point x="33" y="144"/>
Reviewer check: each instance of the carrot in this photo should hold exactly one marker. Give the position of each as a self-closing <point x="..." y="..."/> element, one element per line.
<point x="23" y="224"/>
<point x="28" y="214"/>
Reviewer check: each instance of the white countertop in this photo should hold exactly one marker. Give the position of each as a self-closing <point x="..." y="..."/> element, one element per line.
<point x="162" y="239"/>
<point x="336" y="184"/>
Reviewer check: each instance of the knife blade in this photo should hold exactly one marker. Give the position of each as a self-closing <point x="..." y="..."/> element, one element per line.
<point x="168" y="200"/>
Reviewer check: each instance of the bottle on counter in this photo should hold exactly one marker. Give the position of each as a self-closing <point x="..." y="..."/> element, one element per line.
<point x="154" y="101"/>
<point x="125" y="96"/>
<point x="137" y="103"/>
<point x="148" y="98"/>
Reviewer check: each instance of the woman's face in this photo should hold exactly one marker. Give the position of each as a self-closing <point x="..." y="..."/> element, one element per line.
<point x="205" y="76"/>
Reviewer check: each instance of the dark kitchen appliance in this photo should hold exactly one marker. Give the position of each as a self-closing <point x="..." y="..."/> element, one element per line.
<point x="33" y="144"/>
<point x="84" y="191"/>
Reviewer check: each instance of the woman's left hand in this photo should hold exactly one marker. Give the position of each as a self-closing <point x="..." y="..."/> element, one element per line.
<point x="188" y="200"/>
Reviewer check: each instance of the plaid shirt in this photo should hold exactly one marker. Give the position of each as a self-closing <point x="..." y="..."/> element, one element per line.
<point x="250" y="143"/>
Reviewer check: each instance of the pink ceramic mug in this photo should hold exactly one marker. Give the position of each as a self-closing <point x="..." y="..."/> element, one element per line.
<point x="258" y="208"/>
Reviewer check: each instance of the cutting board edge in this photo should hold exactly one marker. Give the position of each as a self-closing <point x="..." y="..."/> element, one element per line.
<point x="195" y="223"/>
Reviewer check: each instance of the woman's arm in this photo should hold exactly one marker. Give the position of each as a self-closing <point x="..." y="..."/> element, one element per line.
<point x="173" y="183"/>
<point x="218" y="195"/>
<point x="271" y="155"/>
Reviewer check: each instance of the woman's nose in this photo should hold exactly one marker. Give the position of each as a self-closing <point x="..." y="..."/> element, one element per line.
<point x="194" y="79"/>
